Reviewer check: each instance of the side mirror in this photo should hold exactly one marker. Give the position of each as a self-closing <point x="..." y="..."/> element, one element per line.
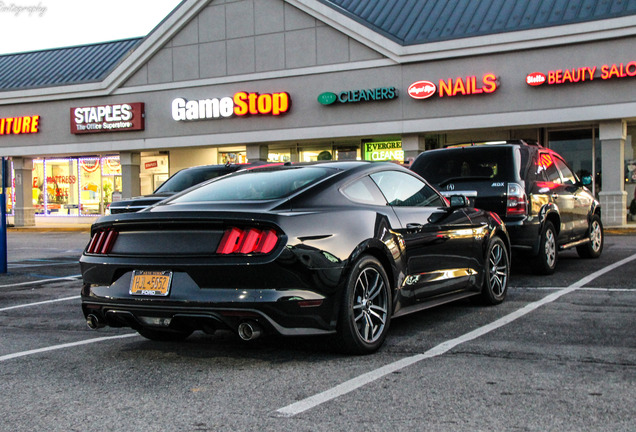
<point x="458" y="201"/>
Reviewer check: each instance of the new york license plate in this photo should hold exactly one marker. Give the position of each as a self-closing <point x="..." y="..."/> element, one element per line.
<point x="150" y="283"/>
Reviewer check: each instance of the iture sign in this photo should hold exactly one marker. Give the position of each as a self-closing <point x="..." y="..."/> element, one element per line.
<point x="240" y="105"/>
<point x="459" y="86"/>
<point x="581" y="74"/>
<point x="107" y="118"/>
<point x="19" y="125"/>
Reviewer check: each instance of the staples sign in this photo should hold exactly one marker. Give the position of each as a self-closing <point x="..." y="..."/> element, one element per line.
<point x="108" y="118"/>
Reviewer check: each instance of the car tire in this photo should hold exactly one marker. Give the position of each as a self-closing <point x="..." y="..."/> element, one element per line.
<point x="594" y="247"/>
<point x="497" y="273"/>
<point x="365" y="312"/>
<point x="164" y="335"/>
<point x="546" y="260"/>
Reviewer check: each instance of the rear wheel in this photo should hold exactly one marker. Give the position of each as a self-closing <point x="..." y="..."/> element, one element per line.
<point x="594" y="247"/>
<point x="497" y="267"/>
<point x="164" y="335"/>
<point x="545" y="262"/>
<point x="366" y="308"/>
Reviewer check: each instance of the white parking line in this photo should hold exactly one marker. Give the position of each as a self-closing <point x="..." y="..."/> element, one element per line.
<point x="39" y="303"/>
<point x="66" y="345"/>
<point x="355" y="383"/>
<point x="69" y="278"/>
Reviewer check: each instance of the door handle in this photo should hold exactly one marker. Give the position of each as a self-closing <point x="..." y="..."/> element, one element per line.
<point x="414" y="227"/>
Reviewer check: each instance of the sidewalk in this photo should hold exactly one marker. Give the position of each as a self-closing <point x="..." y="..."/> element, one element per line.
<point x="55" y="223"/>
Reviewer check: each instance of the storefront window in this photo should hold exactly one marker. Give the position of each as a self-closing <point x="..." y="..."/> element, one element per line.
<point x="579" y="149"/>
<point x="283" y="156"/>
<point x="630" y="173"/>
<point x="111" y="178"/>
<point x="232" y="157"/>
<point x="313" y="155"/>
<point x="62" y="197"/>
<point x="90" y="185"/>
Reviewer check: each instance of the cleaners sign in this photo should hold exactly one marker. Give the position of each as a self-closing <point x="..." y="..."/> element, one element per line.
<point x="353" y="96"/>
<point x="107" y="118"/>
<point x="384" y="151"/>
<point x="581" y="74"/>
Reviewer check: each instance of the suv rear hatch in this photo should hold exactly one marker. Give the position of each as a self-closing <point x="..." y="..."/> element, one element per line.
<point x="483" y="174"/>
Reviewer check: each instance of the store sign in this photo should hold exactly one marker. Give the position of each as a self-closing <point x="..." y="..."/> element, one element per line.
<point x="582" y="74"/>
<point x="422" y="90"/>
<point x="450" y="87"/>
<point x="19" y="125"/>
<point x="383" y="151"/>
<point x="353" y="96"/>
<point x="108" y="118"/>
<point x="240" y="105"/>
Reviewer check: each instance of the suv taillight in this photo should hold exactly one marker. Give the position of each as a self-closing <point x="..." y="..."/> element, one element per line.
<point x="102" y="242"/>
<point x="517" y="201"/>
<point x="247" y="241"/>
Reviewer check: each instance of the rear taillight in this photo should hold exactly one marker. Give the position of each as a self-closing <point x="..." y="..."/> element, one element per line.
<point x="517" y="201"/>
<point x="247" y="241"/>
<point x="102" y="242"/>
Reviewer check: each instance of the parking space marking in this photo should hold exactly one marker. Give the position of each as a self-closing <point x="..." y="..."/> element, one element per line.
<point x="68" y="278"/>
<point x="62" y="346"/>
<point x="364" y="379"/>
<point x="38" y="303"/>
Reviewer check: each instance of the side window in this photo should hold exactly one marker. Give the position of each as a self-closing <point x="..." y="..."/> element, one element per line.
<point x="546" y="161"/>
<point x="566" y="173"/>
<point x="404" y="190"/>
<point x="364" y="191"/>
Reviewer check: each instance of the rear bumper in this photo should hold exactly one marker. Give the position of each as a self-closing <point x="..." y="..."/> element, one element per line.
<point x="524" y="234"/>
<point x="189" y="307"/>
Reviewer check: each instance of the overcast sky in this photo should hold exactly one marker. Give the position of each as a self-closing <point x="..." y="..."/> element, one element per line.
<point x="29" y="25"/>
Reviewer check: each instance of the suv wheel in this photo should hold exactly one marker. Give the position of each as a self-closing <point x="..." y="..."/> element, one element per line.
<point x="545" y="261"/>
<point x="594" y="247"/>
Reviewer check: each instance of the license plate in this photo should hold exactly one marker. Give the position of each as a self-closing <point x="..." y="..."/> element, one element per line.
<point x="150" y="283"/>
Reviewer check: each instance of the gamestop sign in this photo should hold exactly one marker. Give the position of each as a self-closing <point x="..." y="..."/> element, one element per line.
<point x="240" y="105"/>
<point x="108" y="118"/>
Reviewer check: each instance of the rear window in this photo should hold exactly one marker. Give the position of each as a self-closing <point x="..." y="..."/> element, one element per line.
<point x="470" y="163"/>
<point x="255" y="185"/>
<point x="190" y="177"/>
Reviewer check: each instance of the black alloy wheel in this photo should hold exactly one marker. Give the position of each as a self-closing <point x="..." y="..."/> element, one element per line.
<point x="366" y="308"/>
<point x="594" y="247"/>
<point x="497" y="273"/>
<point x="545" y="262"/>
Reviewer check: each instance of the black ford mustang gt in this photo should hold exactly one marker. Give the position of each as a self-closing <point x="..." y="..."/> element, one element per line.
<point x="338" y="247"/>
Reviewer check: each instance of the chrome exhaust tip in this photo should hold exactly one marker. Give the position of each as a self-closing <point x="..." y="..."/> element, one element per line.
<point x="93" y="322"/>
<point x="249" y="330"/>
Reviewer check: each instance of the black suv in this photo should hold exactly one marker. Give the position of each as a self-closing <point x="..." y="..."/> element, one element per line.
<point x="545" y="207"/>
<point x="181" y="180"/>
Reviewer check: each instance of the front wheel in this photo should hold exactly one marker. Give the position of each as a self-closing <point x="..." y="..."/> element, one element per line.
<point x="365" y="313"/>
<point x="497" y="268"/>
<point x="594" y="247"/>
<point x="545" y="261"/>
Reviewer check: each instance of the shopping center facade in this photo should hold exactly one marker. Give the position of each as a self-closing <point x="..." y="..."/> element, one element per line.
<point x="297" y="80"/>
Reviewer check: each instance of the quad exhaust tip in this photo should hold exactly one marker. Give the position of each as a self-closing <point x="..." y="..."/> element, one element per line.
<point x="249" y="330"/>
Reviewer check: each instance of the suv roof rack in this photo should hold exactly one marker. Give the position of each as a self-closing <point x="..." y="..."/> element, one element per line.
<point x="479" y="143"/>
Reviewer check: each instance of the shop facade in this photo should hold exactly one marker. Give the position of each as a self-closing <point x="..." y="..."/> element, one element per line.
<point x="282" y="81"/>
